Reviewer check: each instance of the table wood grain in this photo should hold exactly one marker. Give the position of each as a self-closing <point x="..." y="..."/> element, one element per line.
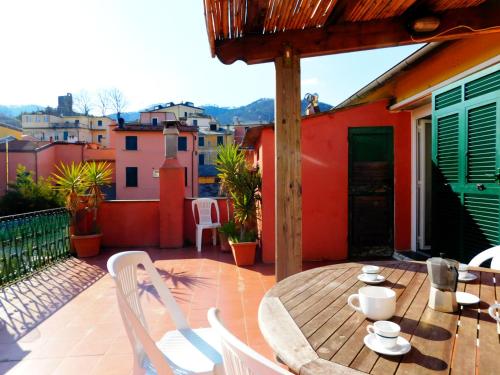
<point x="307" y="322"/>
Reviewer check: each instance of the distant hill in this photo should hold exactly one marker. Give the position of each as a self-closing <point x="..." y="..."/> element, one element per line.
<point x="261" y="110"/>
<point x="16" y="110"/>
<point x="9" y="120"/>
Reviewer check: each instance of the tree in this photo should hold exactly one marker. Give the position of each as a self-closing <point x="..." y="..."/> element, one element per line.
<point x="117" y="101"/>
<point x="26" y="195"/>
<point x="103" y="101"/>
<point x="83" y="102"/>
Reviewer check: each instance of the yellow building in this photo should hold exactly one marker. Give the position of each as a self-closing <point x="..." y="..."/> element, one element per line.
<point x="10" y="130"/>
<point x="208" y="141"/>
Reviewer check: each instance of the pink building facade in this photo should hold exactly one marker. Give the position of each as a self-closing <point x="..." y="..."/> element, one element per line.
<point x="42" y="158"/>
<point x="140" y="152"/>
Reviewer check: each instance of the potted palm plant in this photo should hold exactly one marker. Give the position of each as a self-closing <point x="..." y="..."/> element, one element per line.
<point x="243" y="187"/>
<point x="82" y="186"/>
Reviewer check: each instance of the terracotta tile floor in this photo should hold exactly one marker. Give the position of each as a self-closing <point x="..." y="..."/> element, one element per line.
<point x="65" y="320"/>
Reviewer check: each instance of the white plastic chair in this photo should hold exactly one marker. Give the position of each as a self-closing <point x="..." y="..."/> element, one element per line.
<point x="183" y="351"/>
<point x="240" y="359"/>
<point x="204" y="208"/>
<point x="492" y="253"/>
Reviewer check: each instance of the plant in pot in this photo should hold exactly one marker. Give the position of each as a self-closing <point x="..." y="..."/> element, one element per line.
<point x="243" y="187"/>
<point x="226" y="231"/>
<point x="82" y="185"/>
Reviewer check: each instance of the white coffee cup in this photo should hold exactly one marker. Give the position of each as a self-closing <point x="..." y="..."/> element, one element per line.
<point x="377" y="303"/>
<point x="463" y="270"/>
<point x="370" y="272"/>
<point x="492" y="309"/>
<point x="386" y="332"/>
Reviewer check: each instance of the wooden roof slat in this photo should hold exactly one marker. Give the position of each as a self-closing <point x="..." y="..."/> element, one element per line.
<point x="256" y="31"/>
<point x="323" y="12"/>
<point x="256" y="15"/>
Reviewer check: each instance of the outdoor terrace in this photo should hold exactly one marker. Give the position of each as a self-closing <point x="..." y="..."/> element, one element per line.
<point x="65" y="319"/>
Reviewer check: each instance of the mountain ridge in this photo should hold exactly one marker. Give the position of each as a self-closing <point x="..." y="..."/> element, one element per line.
<point x="260" y="110"/>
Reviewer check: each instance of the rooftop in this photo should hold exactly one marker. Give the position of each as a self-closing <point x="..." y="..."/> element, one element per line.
<point x="66" y="318"/>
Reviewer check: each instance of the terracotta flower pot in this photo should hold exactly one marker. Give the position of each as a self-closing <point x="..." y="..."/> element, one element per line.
<point x="224" y="242"/>
<point x="243" y="253"/>
<point x="88" y="245"/>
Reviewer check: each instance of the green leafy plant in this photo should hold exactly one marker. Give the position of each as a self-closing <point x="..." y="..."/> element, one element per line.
<point x="242" y="185"/>
<point x="26" y="195"/>
<point x="81" y="184"/>
<point x="229" y="229"/>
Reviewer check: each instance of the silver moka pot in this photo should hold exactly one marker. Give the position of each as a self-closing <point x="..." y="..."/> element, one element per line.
<point x="443" y="275"/>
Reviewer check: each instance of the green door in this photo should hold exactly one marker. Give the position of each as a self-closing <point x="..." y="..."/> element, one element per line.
<point x="466" y="162"/>
<point x="371" y="192"/>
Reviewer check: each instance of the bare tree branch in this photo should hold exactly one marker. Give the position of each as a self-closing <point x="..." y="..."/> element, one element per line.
<point x="117" y="100"/>
<point x="83" y="102"/>
<point x="103" y="101"/>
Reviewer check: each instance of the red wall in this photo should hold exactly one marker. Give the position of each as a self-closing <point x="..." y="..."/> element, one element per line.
<point x="325" y="180"/>
<point x="130" y="223"/>
<point x="136" y="223"/>
<point x="190" y="226"/>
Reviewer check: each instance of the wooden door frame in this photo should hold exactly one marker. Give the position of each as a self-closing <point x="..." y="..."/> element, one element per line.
<point x="387" y="129"/>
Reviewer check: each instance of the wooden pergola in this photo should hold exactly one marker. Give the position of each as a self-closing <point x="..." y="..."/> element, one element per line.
<point x="283" y="31"/>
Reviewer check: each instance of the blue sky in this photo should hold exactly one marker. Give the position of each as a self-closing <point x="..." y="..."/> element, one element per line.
<point x="153" y="51"/>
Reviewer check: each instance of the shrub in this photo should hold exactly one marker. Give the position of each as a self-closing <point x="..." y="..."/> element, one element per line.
<point x="26" y="195"/>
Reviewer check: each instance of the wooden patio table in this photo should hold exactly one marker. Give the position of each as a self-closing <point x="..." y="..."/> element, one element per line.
<point x="307" y="322"/>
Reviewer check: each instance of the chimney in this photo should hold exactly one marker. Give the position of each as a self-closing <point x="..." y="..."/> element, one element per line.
<point x="171" y="135"/>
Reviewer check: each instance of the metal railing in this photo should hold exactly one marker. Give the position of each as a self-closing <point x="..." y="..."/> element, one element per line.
<point x="31" y="241"/>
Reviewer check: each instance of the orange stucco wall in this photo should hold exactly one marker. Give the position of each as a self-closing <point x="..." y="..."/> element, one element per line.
<point x="325" y="180"/>
<point x="136" y="223"/>
<point x="130" y="223"/>
<point x="446" y="62"/>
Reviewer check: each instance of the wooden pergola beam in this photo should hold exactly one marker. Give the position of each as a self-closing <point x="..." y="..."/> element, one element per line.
<point x="288" y="167"/>
<point x="355" y="36"/>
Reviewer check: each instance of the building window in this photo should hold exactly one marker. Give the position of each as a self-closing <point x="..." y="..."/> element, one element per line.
<point x="99" y="138"/>
<point x="220" y="140"/>
<point x="65" y="136"/>
<point x="99" y="122"/>
<point x="201" y="141"/>
<point x="185" y="176"/>
<point x="131" y="142"/>
<point x="185" y="114"/>
<point x="201" y="159"/>
<point x="182" y="144"/>
<point x="131" y="176"/>
<point x="154" y="121"/>
<point x="195" y="122"/>
<point x="77" y="122"/>
<point x="213" y="127"/>
<point x="46" y="119"/>
<point x="56" y="137"/>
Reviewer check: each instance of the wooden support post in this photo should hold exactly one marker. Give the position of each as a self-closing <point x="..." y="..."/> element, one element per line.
<point x="288" y="180"/>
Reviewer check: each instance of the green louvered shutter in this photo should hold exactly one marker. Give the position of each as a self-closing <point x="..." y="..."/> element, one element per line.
<point x="447" y="149"/>
<point x="466" y="157"/>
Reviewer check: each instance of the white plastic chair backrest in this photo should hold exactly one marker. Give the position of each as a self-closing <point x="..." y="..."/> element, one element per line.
<point x="238" y="358"/>
<point x="204" y="208"/>
<point x="123" y="269"/>
<point x="485" y="255"/>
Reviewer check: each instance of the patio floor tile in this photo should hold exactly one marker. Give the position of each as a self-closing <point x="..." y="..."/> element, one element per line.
<point x="66" y="318"/>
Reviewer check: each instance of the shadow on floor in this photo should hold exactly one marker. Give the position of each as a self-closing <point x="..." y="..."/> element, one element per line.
<point x="28" y="302"/>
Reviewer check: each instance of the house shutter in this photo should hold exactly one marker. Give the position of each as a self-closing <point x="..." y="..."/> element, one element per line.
<point x="447" y="149"/>
<point x="466" y="157"/>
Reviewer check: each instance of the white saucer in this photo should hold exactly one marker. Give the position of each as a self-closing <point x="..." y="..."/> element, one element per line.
<point x="464" y="298"/>
<point x="378" y="280"/>
<point x="402" y="345"/>
<point x="467" y="277"/>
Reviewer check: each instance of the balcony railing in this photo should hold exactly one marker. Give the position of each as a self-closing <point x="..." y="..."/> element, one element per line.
<point x="29" y="242"/>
